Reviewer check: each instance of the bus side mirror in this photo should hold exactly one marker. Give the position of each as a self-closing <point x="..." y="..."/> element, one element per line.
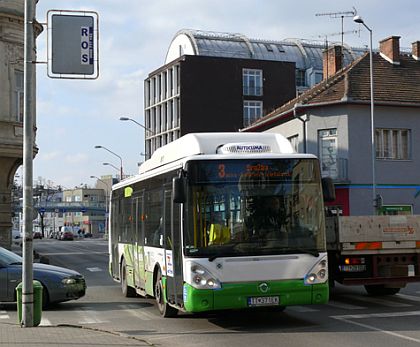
<point x="328" y="189"/>
<point x="178" y="189"/>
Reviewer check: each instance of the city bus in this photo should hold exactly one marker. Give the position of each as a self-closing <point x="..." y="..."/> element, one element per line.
<point x="217" y="221"/>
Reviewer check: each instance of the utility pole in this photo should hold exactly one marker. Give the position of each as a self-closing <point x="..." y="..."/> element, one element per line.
<point x="28" y="139"/>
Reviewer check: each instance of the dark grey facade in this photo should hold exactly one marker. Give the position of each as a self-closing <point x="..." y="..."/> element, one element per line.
<point x="208" y="94"/>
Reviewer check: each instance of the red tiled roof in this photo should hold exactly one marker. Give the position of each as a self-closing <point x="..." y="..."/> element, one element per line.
<point x="393" y="85"/>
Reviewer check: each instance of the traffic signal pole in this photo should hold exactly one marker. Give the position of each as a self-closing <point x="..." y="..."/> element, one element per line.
<point x="28" y="140"/>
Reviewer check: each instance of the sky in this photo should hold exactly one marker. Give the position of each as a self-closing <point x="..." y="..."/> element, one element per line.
<point x="73" y="116"/>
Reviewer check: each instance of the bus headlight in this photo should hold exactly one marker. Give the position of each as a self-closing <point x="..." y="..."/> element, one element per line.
<point x="318" y="274"/>
<point x="201" y="278"/>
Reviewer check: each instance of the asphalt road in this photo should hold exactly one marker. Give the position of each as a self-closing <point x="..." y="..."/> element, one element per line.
<point x="351" y="318"/>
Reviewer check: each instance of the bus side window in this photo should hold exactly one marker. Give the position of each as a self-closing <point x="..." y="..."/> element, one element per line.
<point x="153" y="221"/>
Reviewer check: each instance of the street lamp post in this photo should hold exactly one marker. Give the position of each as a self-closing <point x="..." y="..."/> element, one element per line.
<point x="139" y="124"/>
<point x="109" y="164"/>
<point x="359" y="20"/>
<point x="121" y="163"/>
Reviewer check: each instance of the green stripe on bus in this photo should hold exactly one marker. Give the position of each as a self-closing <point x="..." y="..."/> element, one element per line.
<point x="235" y="295"/>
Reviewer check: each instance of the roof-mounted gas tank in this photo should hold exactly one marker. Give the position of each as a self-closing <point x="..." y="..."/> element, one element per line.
<point x="218" y="143"/>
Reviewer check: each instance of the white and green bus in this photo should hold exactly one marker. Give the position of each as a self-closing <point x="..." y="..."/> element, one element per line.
<point x="217" y="221"/>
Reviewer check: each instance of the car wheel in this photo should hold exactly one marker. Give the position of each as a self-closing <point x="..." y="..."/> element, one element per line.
<point x="163" y="307"/>
<point x="127" y="291"/>
<point x="380" y="289"/>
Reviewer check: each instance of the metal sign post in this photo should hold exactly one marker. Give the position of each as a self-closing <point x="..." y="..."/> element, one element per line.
<point x="73" y="53"/>
<point x="28" y="139"/>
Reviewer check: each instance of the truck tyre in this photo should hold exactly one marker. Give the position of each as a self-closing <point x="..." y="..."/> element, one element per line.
<point x="380" y="289"/>
<point x="128" y="292"/>
<point x="163" y="307"/>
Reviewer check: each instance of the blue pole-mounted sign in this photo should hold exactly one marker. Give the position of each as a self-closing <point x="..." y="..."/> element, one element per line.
<point x="72" y="44"/>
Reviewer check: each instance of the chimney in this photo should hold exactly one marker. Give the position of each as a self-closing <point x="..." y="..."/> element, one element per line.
<point x="332" y="61"/>
<point x="415" y="50"/>
<point x="390" y="49"/>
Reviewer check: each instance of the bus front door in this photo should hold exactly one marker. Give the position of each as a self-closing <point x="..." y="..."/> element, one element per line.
<point x="173" y="245"/>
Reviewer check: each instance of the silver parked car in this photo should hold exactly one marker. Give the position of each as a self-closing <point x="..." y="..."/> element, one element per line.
<point x="59" y="284"/>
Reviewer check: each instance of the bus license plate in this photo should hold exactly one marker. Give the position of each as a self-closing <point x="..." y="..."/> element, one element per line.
<point x="263" y="301"/>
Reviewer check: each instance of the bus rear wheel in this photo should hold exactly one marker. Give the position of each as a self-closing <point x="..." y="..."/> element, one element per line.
<point x="163" y="307"/>
<point x="127" y="291"/>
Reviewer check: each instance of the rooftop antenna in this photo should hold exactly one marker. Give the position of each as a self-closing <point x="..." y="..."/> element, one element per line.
<point x="340" y="15"/>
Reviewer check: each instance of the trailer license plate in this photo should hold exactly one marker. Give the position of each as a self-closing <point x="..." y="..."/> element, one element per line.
<point x="263" y="301"/>
<point x="353" y="268"/>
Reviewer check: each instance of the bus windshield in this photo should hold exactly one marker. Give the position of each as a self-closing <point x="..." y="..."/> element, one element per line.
<point x="242" y="207"/>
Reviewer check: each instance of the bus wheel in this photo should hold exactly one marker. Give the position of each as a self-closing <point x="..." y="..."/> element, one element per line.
<point x="380" y="289"/>
<point x="127" y="291"/>
<point x="163" y="307"/>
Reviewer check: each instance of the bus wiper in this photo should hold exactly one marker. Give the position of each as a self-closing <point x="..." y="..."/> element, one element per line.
<point x="228" y="246"/>
<point x="214" y="257"/>
<point x="313" y="252"/>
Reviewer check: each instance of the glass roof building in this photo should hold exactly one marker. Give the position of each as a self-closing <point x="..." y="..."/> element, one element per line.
<point x="307" y="55"/>
<point x="220" y="82"/>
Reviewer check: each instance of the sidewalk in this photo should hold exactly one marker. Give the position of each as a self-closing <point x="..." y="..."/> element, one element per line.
<point x="64" y="335"/>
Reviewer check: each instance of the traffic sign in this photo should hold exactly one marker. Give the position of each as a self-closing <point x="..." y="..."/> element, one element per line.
<point x="72" y="44"/>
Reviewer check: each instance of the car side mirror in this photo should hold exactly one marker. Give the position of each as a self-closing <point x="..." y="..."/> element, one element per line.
<point x="178" y="189"/>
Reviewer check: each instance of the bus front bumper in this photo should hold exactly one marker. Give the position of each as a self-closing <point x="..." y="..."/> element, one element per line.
<point x="254" y="294"/>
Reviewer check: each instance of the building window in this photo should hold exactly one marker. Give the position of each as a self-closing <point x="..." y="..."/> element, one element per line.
<point x="327" y="141"/>
<point x="294" y="141"/>
<point x="252" y="82"/>
<point x="393" y="144"/>
<point x="268" y="47"/>
<point x="252" y="111"/>
<point x="18" y="111"/>
<point x="300" y="78"/>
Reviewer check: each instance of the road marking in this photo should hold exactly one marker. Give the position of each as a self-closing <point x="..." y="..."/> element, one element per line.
<point x="138" y="312"/>
<point x="94" y="269"/>
<point x="4" y="315"/>
<point x="90" y="316"/>
<point x="408" y="297"/>
<point x="45" y="322"/>
<point x="378" y="301"/>
<point x="301" y="309"/>
<point x="344" y="306"/>
<point x="347" y="319"/>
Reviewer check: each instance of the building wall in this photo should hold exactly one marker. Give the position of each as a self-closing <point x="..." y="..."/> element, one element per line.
<point x="205" y="94"/>
<point x="397" y="181"/>
<point x="11" y="106"/>
<point x="84" y="218"/>
<point x="212" y="91"/>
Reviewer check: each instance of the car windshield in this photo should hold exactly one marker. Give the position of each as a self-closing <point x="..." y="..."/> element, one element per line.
<point x="257" y="207"/>
<point x="7" y="257"/>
